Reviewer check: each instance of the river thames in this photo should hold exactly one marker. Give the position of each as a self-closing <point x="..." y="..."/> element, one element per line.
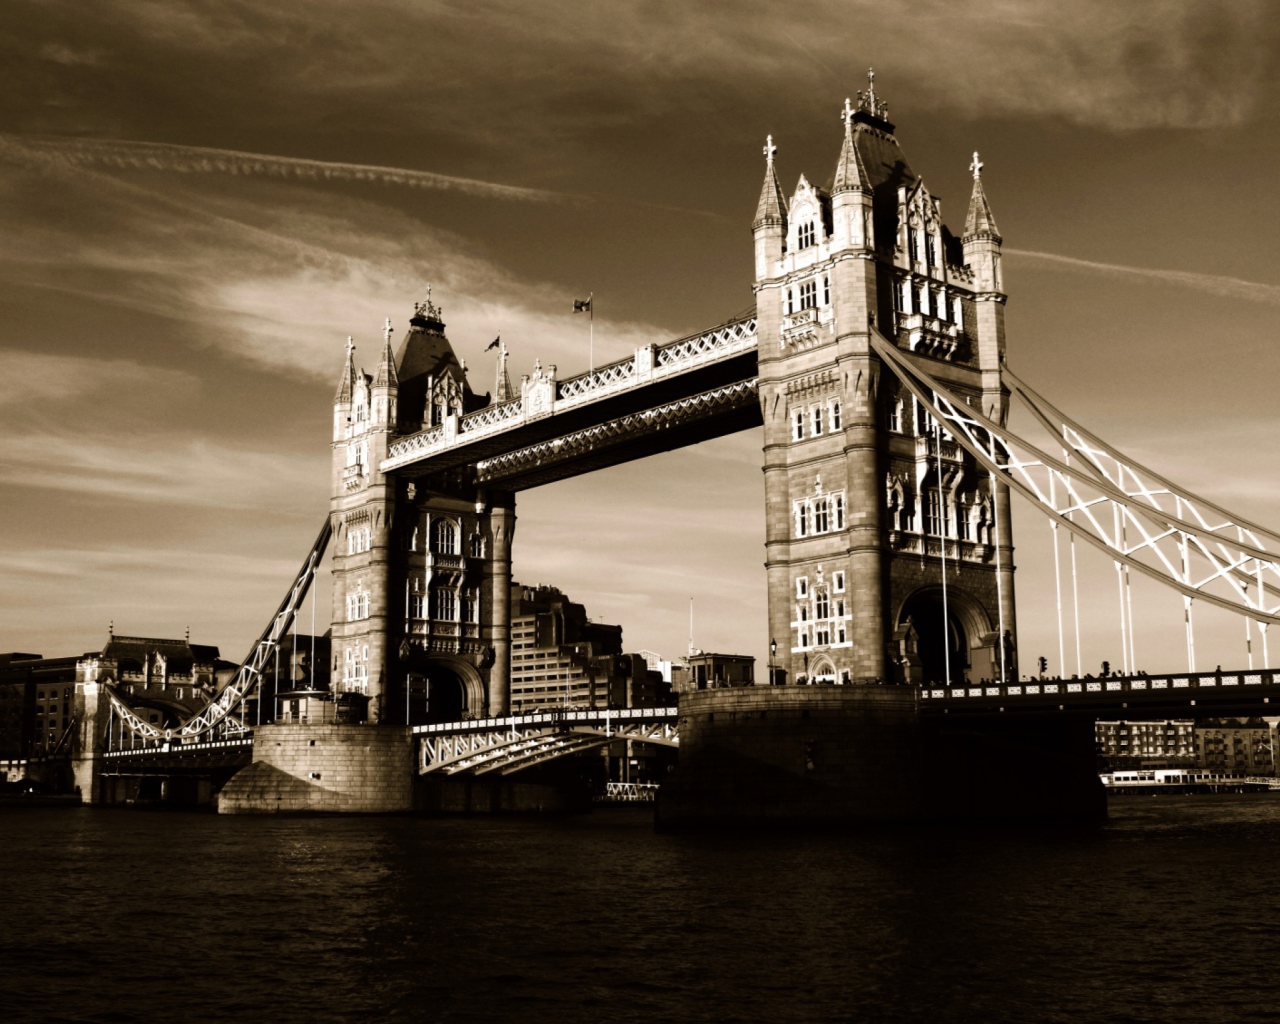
<point x="1168" y="913"/>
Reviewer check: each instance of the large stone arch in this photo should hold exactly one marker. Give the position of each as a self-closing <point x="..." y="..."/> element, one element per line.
<point x="919" y="635"/>
<point x="457" y="689"/>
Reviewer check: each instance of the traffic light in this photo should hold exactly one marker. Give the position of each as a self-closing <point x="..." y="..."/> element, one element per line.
<point x="1044" y="664"/>
<point x="1106" y="668"/>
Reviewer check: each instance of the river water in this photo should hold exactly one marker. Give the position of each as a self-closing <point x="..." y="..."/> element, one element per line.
<point x="1169" y="913"/>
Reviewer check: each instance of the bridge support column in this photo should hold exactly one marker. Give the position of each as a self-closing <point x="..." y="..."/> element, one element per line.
<point x="502" y="525"/>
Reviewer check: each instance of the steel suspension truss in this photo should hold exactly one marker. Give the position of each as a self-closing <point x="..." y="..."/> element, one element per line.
<point x="507" y="747"/>
<point x="219" y="715"/>
<point x="1137" y="517"/>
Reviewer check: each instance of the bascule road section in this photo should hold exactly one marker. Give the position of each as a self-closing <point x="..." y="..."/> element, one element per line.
<point x="873" y="361"/>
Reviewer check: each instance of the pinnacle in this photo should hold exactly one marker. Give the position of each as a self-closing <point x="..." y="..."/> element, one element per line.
<point x="347" y="380"/>
<point x="772" y="207"/>
<point x="980" y="223"/>
<point x="851" y="172"/>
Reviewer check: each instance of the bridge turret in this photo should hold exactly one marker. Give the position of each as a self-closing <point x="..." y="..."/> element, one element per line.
<point x="386" y="385"/>
<point x="770" y="225"/>
<point x="981" y="242"/>
<point x="853" y="225"/>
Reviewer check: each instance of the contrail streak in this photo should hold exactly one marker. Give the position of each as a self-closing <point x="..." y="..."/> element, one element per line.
<point x="163" y="156"/>
<point x="1214" y="284"/>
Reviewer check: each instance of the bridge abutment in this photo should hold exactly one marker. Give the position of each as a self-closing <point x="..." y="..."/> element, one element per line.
<point x="342" y="769"/>
<point x="865" y="754"/>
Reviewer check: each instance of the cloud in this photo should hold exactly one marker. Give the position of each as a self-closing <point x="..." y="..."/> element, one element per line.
<point x="1176" y="63"/>
<point x="29" y="377"/>
<point x="1214" y="284"/>
<point x="160" y="156"/>
<point x="164" y="469"/>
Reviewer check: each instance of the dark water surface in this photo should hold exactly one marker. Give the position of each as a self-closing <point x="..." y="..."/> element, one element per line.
<point x="1169" y="913"/>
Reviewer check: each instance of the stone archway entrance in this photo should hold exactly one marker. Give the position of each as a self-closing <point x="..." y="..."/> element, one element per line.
<point x="445" y="690"/>
<point x="959" y="640"/>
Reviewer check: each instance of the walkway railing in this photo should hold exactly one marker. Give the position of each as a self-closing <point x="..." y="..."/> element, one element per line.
<point x="1218" y="682"/>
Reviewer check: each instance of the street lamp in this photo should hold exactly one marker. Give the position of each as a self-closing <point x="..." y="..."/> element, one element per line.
<point x="773" y="653"/>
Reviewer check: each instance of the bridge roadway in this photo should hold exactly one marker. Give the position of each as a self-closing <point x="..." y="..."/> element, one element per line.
<point x="662" y="397"/>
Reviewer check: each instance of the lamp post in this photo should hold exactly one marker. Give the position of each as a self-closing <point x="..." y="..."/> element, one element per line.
<point x="773" y="653"/>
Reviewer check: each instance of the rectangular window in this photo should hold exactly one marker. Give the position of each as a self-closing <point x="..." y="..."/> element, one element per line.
<point x="797" y="433"/>
<point x="835" y="415"/>
<point x="446" y="603"/>
<point x="823" y="635"/>
<point x="941" y="305"/>
<point x="840" y="633"/>
<point x="809" y="295"/>
<point x="837" y="581"/>
<point x="817" y="422"/>
<point x="821" y="605"/>
<point x="826" y="290"/>
<point x="821" y="523"/>
<point x="964" y="528"/>
<point x="804" y="638"/>
<point x="802" y="586"/>
<point x="933" y="513"/>
<point x="894" y="418"/>
<point x="415" y="606"/>
<point x="838" y="502"/>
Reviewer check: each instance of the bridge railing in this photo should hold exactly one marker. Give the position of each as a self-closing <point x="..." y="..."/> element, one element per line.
<point x="550" y="718"/>
<point x="1219" y="682"/>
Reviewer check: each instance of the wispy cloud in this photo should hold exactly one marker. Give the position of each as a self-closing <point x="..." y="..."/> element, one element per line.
<point x="1214" y="284"/>
<point x="159" y="156"/>
<point x="31" y="377"/>
<point x="161" y="469"/>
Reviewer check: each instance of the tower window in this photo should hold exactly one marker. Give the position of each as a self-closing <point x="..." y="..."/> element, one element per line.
<point x="933" y="513"/>
<point x="837" y="581"/>
<point x="822" y="520"/>
<point x="477" y="546"/>
<point x="817" y="422"/>
<point x="446" y="604"/>
<point x="838" y="513"/>
<point x="835" y="414"/>
<point x="807" y="236"/>
<point x="446" y="537"/>
<point x="802" y="586"/>
<point x="797" y="433"/>
<point x="791" y="305"/>
<point x="809" y="295"/>
<point x="826" y="290"/>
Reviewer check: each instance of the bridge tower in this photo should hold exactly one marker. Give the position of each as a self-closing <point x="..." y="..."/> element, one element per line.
<point x="883" y="556"/>
<point x="422" y="566"/>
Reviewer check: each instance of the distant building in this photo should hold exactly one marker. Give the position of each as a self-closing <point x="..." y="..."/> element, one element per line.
<point x="560" y="658"/>
<point x="1230" y="746"/>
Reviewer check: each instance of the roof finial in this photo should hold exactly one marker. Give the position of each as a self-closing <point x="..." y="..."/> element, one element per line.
<point x="869" y="101"/>
<point x="111" y="628"/>
<point x="769" y="150"/>
<point x="427" y="310"/>
<point x="976" y="166"/>
<point x="387" y="331"/>
<point x="846" y="115"/>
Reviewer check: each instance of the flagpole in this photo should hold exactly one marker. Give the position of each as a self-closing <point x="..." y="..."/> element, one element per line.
<point x="591" y="330"/>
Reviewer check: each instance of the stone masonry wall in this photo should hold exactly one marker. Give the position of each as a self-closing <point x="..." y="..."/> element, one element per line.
<point x="348" y="769"/>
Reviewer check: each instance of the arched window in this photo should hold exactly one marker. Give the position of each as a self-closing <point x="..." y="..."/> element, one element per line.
<point x="445" y="604"/>
<point x="477" y="546"/>
<point x="826" y="290"/>
<point x="446" y="537"/>
<point x="807" y="236"/>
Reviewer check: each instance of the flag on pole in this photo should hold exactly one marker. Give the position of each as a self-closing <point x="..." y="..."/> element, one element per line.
<point x="494" y="344"/>
<point x="582" y="305"/>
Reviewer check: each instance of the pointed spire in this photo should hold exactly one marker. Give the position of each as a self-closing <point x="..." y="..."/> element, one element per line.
<point x="851" y="172"/>
<point x="502" y="390"/>
<point x="348" y="374"/>
<point x="386" y="375"/>
<point x="980" y="223"/>
<point x="772" y="207"/>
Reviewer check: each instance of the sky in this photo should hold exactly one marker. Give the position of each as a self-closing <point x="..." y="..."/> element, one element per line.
<point x="200" y="201"/>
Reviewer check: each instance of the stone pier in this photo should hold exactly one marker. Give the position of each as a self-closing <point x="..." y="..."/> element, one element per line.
<point x="865" y="754"/>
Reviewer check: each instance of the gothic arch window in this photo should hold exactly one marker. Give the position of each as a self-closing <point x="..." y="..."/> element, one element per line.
<point x="446" y="537"/>
<point x="791" y="306"/>
<point x="808" y="294"/>
<point x="477" y="546"/>
<point x="826" y="290"/>
<point x="444" y="603"/>
<point x="807" y="236"/>
<point x="835" y="414"/>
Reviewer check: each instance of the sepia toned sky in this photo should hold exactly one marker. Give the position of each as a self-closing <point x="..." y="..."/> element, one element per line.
<point x="200" y="201"/>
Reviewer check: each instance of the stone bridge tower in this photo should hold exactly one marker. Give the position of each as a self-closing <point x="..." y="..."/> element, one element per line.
<point x="866" y="499"/>
<point x="421" y="569"/>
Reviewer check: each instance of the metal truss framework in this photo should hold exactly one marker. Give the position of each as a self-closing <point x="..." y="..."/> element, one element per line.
<point x="508" y="745"/>
<point x="1139" y="519"/>
<point x="633" y="427"/>
<point x="218" y="715"/>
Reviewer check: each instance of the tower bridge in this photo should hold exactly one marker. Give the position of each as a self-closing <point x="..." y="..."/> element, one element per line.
<point x="874" y="359"/>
